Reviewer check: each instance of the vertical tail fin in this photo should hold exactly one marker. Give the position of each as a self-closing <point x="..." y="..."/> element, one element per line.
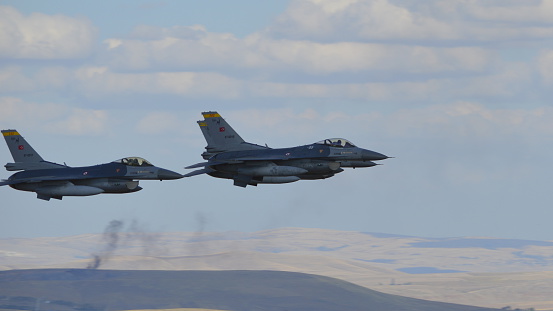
<point x="220" y="136"/>
<point x="25" y="157"/>
<point x="20" y="149"/>
<point x="218" y="133"/>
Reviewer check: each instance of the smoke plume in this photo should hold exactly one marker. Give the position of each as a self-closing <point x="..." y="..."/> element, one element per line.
<point x="110" y="238"/>
<point x="114" y="237"/>
<point x="197" y="244"/>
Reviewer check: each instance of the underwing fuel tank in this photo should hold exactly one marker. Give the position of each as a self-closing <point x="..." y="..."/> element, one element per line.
<point x="316" y="166"/>
<point x="68" y="190"/>
<point x="278" y="179"/>
<point x="114" y="185"/>
<point x="355" y="164"/>
<point x="272" y="171"/>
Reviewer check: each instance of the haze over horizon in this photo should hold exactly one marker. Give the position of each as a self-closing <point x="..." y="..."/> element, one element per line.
<point x="459" y="93"/>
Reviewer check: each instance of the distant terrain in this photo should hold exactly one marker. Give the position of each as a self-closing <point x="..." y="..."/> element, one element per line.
<point x="178" y="309"/>
<point x="91" y="290"/>
<point x="479" y="271"/>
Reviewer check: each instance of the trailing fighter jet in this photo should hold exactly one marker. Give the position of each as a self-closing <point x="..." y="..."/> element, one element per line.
<point x="230" y="157"/>
<point x="51" y="180"/>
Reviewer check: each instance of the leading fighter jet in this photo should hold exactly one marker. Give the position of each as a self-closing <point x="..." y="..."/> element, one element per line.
<point x="229" y="156"/>
<point x="51" y="180"/>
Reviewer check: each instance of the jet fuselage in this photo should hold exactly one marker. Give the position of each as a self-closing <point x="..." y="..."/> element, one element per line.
<point x="229" y="156"/>
<point x="313" y="161"/>
<point x="87" y="180"/>
<point x="53" y="180"/>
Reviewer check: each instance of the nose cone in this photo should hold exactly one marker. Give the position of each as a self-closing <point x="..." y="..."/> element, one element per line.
<point x="163" y="174"/>
<point x="369" y="155"/>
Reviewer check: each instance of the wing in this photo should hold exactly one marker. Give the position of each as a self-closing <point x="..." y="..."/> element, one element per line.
<point x="30" y="180"/>
<point x="272" y="157"/>
<point x="37" y="179"/>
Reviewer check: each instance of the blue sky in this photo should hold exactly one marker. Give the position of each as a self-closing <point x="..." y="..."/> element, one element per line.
<point x="460" y="94"/>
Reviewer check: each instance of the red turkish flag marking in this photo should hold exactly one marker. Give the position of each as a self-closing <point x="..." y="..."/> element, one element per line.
<point x="21" y="147"/>
<point x="222" y="129"/>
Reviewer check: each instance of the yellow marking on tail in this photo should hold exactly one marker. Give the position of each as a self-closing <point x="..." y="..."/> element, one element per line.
<point x="13" y="133"/>
<point x="202" y="123"/>
<point x="211" y="115"/>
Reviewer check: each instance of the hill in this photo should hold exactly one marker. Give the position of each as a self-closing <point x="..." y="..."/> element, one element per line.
<point x="478" y="271"/>
<point x="88" y="289"/>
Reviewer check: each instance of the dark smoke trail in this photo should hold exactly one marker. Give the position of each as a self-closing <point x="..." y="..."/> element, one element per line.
<point x="202" y="221"/>
<point x="198" y="244"/>
<point x="148" y="240"/>
<point x="111" y="234"/>
<point x="111" y="237"/>
<point x="94" y="264"/>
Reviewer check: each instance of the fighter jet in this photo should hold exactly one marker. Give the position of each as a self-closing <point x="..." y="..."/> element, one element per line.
<point x="230" y="157"/>
<point x="51" y="180"/>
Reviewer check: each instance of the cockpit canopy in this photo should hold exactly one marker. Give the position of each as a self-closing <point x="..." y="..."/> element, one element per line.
<point x="336" y="142"/>
<point x="133" y="161"/>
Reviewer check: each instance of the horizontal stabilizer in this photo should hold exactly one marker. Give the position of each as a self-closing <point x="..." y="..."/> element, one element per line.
<point x="25" y="166"/>
<point x="8" y="182"/>
<point x="211" y="163"/>
<point x="201" y="164"/>
<point x="199" y="172"/>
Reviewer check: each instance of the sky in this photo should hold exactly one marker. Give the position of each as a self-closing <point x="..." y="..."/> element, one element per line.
<point x="459" y="92"/>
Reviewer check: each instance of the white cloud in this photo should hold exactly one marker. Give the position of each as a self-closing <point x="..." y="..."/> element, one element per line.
<point x="13" y="79"/>
<point x="159" y="122"/>
<point x="356" y="20"/>
<point x="18" y="80"/>
<point x="183" y="47"/>
<point x="79" y="122"/>
<point x="96" y="82"/>
<point x="190" y="62"/>
<point x="53" y="78"/>
<point x="415" y="21"/>
<point x="545" y="67"/>
<point x="531" y="12"/>
<point x="41" y="36"/>
<point x="99" y="81"/>
<point x="351" y="57"/>
<point x="264" y="57"/>
<point x="147" y="32"/>
<point x="459" y="120"/>
<point x="52" y="117"/>
<point x="471" y="120"/>
<point x="17" y="111"/>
